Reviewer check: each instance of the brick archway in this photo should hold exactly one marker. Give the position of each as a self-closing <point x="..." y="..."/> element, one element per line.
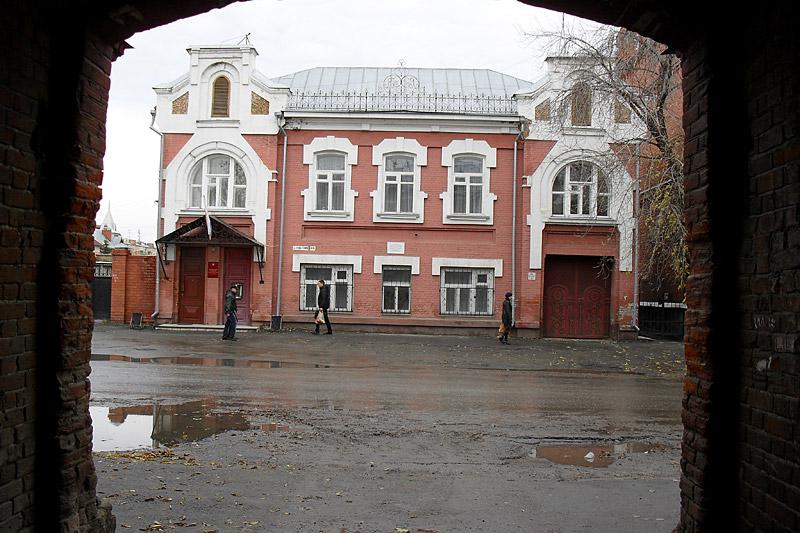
<point x="741" y="121"/>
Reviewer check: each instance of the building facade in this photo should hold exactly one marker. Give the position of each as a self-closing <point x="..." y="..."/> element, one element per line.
<point x="420" y="195"/>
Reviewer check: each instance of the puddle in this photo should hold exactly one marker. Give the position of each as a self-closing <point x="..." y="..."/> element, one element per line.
<point x="204" y="361"/>
<point x="600" y="456"/>
<point x="154" y="425"/>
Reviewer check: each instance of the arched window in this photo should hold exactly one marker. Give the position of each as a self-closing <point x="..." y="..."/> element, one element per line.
<point x="220" y="97"/>
<point x="581" y="104"/>
<point x="221" y="180"/>
<point x="581" y="189"/>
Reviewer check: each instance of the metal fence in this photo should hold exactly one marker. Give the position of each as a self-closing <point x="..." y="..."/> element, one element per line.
<point x="420" y="102"/>
<point x="661" y="320"/>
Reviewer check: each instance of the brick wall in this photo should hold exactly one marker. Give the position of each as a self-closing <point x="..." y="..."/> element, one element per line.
<point x="132" y="285"/>
<point x="769" y="277"/>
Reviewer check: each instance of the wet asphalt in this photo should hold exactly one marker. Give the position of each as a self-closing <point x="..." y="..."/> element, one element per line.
<point x="356" y="432"/>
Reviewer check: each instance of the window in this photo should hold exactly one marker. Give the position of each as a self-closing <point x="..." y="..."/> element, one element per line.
<point x="398" y="197"/>
<point x="467" y="291"/>
<point x="330" y="182"/>
<point x="221" y="180"/>
<point x="398" y="184"/>
<point x="581" y="104"/>
<point x="338" y="277"/>
<point x="329" y="195"/>
<point x="468" y="185"/>
<point x="468" y="198"/>
<point x="581" y="189"/>
<point x="220" y="97"/>
<point x="396" y="289"/>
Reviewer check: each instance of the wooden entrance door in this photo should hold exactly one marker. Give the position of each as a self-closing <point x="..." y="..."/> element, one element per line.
<point x="192" y="285"/>
<point x="238" y="265"/>
<point x="577" y="298"/>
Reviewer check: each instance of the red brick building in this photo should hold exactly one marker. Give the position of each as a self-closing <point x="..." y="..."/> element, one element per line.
<point x="420" y="195"/>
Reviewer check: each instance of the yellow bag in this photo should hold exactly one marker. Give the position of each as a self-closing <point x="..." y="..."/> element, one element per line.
<point x="502" y="329"/>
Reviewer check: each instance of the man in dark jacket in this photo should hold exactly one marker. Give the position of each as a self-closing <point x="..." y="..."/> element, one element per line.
<point x="508" y="319"/>
<point x="324" y="303"/>
<point x="228" y="334"/>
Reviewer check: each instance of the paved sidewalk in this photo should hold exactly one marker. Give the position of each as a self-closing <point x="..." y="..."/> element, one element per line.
<point x="648" y="357"/>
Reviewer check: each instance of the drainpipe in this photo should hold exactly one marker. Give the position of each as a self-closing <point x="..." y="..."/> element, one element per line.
<point x="637" y="206"/>
<point x="515" y="297"/>
<point x="277" y="319"/>
<point x="157" y="307"/>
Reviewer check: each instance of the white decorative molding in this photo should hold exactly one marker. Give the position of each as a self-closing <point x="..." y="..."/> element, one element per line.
<point x="438" y="262"/>
<point x="224" y="142"/>
<point x="541" y="186"/>
<point x="489" y="154"/>
<point x="395" y="260"/>
<point x="399" y="145"/>
<point x="329" y="144"/>
<point x="326" y="259"/>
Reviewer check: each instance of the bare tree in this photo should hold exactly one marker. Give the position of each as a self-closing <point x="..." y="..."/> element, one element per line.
<point x="632" y="79"/>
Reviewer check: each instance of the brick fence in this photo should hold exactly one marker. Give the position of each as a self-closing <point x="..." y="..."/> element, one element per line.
<point x="132" y="285"/>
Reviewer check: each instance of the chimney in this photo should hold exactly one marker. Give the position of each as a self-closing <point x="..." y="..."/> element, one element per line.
<point x="106" y="231"/>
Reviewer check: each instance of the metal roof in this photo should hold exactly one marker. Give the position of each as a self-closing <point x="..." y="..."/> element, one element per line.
<point x="443" y="81"/>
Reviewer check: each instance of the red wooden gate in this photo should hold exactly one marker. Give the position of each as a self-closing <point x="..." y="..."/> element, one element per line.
<point x="577" y="297"/>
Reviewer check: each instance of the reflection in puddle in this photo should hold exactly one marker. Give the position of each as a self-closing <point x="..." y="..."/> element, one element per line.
<point x="588" y="455"/>
<point x="205" y="361"/>
<point x="154" y="425"/>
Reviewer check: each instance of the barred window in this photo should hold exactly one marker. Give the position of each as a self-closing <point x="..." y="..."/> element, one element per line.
<point x="338" y="277"/>
<point x="467" y="291"/>
<point x="396" y="289"/>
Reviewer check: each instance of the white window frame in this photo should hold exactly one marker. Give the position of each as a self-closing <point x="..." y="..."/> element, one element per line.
<point x="320" y="146"/>
<point x="468" y="147"/>
<point x="480" y="279"/>
<point x="396" y="285"/>
<point x="578" y="189"/>
<point x="407" y="147"/>
<point x="201" y="169"/>
<point x="329" y="177"/>
<point x="341" y="275"/>
<point x="397" y="180"/>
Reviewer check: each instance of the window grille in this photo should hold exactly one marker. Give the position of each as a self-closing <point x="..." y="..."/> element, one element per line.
<point x="467" y="291"/>
<point x="396" y="289"/>
<point x="338" y="277"/>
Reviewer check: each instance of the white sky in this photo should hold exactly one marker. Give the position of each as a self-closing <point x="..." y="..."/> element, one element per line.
<point x="292" y="35"/>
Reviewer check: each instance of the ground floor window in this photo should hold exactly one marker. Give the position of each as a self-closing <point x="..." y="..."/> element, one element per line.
<point x="338" y="277"/>
<point x="467" y="291"/>
<point x="396" y="289"/>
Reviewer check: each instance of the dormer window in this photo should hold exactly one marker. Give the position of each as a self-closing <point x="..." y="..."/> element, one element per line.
<point x="220" y="97"/>
<point x="581" y="104"/>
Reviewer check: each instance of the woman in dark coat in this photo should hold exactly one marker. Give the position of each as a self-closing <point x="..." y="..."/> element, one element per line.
<point x="508" y="318"/>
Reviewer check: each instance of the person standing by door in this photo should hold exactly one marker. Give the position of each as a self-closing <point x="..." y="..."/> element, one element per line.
<point x="229" y="332"/>
<point x="324" y="303"/>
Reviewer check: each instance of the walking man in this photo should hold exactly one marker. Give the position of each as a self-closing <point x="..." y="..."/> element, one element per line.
<point x="324" y="303"/>
<point x="229" y="333"/>
<point x="508" y="319"/>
